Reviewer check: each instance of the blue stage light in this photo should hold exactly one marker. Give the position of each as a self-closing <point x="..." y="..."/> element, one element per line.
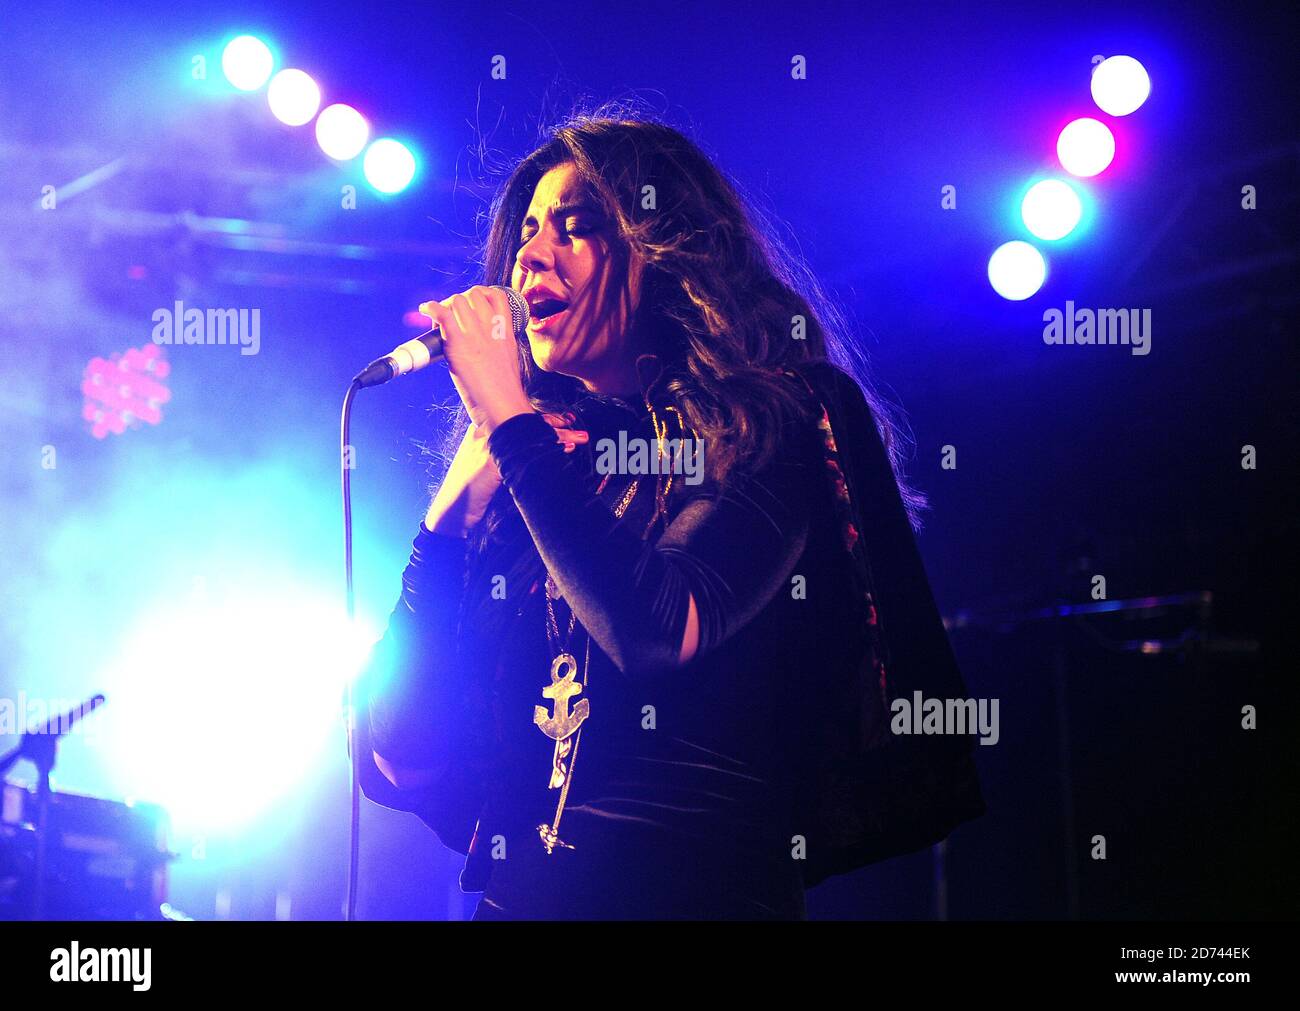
<point x="1086" y="146"/>
<point x="389" y="165"/>
<point x="1016" y="270"/>
<point x="294" y="97"/>
<point x="247" y="62"/>
<point x="1051" y="209"/>
<point x="1120" y="85"/>
<point x="227" y="701"/>
<point x="342" y="132"/>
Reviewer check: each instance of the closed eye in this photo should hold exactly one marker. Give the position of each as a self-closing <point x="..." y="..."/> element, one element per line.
<point x="577" y="220"/>
<point x="577" y="229"/>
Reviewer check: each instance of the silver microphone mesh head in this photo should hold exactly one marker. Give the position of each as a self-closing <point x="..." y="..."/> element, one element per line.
<point x="518" y="310"/>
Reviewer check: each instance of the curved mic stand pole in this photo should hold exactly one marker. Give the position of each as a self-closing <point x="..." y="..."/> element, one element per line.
<point x="40" y="746"/>
<point x="349" y="709"/>
<point x="378" y="372"/>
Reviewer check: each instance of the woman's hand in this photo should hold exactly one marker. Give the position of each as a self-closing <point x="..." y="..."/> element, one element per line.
<point x="473" y="478"/>
<point x="482" y="354"/>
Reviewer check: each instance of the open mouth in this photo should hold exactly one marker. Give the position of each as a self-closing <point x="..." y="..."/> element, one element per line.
<point x="547" y="308"/>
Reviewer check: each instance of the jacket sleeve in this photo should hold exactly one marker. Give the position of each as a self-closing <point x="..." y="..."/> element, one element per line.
<point x="411" y="682"/>
<point x="731" y="549"/>
<point x="411" y="705"/>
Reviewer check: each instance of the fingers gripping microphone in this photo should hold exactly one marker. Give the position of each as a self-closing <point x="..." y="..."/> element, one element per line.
<point x="420" y="351"/>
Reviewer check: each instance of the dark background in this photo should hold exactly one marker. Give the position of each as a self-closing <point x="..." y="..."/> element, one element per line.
<point x="1072" y="461"/>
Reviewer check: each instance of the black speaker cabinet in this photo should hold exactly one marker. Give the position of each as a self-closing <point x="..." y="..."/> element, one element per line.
<point x="1123" y="784"/>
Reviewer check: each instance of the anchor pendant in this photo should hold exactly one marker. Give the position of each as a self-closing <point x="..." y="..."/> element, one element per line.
<point x="562" y="723"/>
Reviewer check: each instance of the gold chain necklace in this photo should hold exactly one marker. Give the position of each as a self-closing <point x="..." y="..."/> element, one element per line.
<point x="562" y="724"/>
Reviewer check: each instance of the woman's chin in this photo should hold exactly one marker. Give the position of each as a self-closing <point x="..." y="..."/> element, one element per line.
<point x="547" y="353"/>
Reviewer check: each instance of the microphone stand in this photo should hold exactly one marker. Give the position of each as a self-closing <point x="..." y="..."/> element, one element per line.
<point x="349" y="702"/>
<point x="408" y="357"/>
<point x="40" y="746"/>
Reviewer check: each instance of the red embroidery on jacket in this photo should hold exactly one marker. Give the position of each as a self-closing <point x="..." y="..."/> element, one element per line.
<point x="851" y="538"/>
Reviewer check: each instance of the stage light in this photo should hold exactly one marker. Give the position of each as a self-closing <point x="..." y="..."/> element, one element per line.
<point x="294" y="97"/>
<point x="389" y="165"/>
<point x="1120" y="85"/>
<point x="1085" y="147"/>
<point x="1016" y="270"/>
<point x="227" y="699"/>
<point x="341" y="132"/>
<point x="1051" y="209"/>
<point x="208" y="618"/>
<point x="247" y="61"/>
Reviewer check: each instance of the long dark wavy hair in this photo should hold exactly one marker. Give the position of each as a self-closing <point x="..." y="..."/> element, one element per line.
<point x="724" y="303"/>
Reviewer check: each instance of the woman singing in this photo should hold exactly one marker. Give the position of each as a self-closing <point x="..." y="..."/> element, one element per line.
<point x="644" y="655"/>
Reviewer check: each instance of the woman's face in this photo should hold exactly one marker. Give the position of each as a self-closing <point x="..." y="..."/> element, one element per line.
<point x="565" y="269"/>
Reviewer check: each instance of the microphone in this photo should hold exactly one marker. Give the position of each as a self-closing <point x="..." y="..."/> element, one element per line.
<point x="420" y="351"/>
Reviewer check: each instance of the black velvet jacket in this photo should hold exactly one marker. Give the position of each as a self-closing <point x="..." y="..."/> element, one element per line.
<point x="720" y="787"/>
